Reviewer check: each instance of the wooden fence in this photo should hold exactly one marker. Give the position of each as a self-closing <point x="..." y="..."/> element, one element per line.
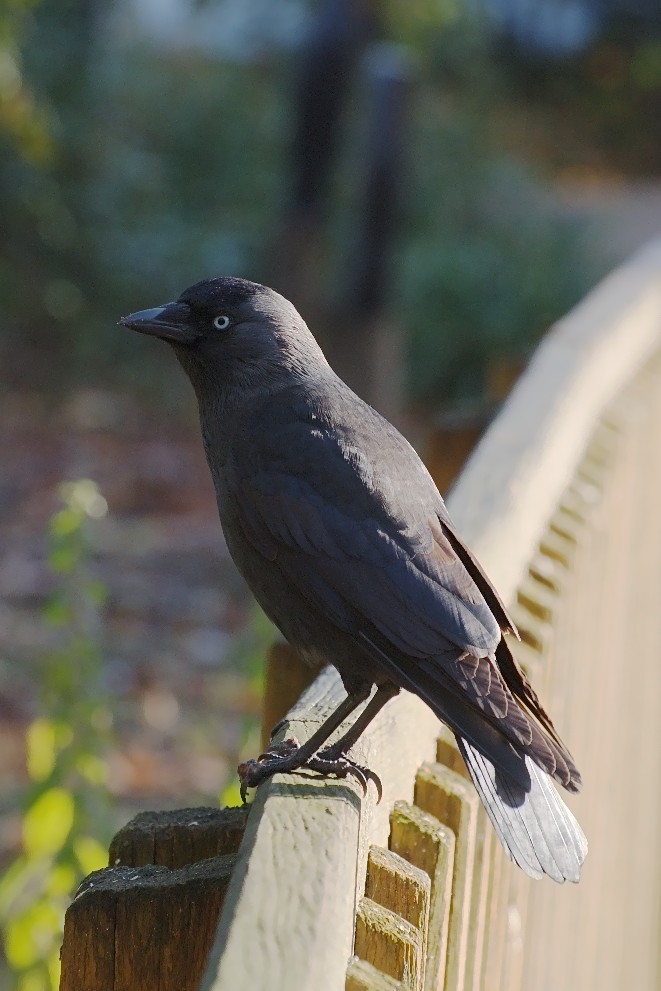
<point x="562" y="504"/>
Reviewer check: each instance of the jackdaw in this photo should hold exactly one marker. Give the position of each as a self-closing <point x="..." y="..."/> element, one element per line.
<point x="341" y="534"/>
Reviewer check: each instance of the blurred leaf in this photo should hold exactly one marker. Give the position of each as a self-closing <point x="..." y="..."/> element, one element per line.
<point x="29" y="936"/>
<point x="12" y="882"/>
<point x="66" y="522"/>
<point x="41" y="752"/>
<point x="48" y="822"/>
<point x="61" y="880"/>
<point x="231" y="796"/>
<point x="92" y="768"/>
<point x="64" y="558"/>
<point x="65" y="812"/>
<point x="57" y="611"/>
<point x="92" y="856"/>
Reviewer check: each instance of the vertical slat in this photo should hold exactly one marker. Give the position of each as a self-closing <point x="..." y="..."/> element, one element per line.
<point x="447" y="753"/>
<point x="497" y="921"/>
<point x="424" y="841"/>
<point x="399" y="886"/>
<point x="402" y="890"/>
<point x="390" y="943"/>
<point x="453" y="801"/>
<point x="362" y="976"/>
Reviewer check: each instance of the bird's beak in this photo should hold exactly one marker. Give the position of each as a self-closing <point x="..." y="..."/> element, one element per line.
<point x="173" y="322"/>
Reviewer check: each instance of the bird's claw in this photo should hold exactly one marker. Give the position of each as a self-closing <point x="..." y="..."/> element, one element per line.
<point x="252" y="772"/>
<point x="256" y="769"/>
<point x="343" y="767"/>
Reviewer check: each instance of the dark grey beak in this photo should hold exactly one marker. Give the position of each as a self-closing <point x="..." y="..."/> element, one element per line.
<point x="173" y="322"/>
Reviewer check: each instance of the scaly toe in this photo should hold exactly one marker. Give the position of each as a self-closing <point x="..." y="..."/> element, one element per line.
<point x="343" y="767"/>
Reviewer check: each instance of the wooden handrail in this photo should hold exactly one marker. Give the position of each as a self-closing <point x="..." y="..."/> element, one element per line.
<point x="526" y="503"/>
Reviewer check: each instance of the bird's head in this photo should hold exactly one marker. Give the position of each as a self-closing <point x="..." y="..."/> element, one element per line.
<point x="229" y="332"/>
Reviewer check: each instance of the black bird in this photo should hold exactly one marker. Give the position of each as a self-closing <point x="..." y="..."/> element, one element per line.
<point x="345" y="541"/>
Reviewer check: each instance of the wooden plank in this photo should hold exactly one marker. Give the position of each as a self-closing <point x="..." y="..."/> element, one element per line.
<point x="286" y="678"/>
<point x="447" y="753"/>
<point x="537" y="599"/>
<point x="362" y="976"/>
<point x="396" y="884"/>
<point x="608" y="626"/>
<point x="425" y="842"/>
<point x="497" y="916"/>
<point x="454" y="802"/>
<point x="150" y="927"/>
<point x="389" y="943"/>
<point x="479" y="901"/>
<point x="175" y="838"/>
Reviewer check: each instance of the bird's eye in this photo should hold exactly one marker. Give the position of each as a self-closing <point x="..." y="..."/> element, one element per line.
<point x="221" y="322"/>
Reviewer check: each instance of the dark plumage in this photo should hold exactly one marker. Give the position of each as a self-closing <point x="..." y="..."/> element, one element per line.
<point x="339" y="530"/>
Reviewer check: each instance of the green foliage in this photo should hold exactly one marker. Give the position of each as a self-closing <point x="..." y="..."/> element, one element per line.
<point x="169" y="165"/>
<point x="487" y="262"/>
<point x="164" y="168"/>
<point x="65" y="811"/>
<point x="485" y="269"/>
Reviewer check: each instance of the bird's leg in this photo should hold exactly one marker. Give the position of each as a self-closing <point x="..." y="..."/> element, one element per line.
<point x="341" y="747"/>
<point x="289" y="755"/>
<point x="334" y="759"/>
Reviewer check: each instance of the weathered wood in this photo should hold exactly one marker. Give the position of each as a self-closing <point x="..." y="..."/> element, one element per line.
<point x="396" y="884"/>
<point x="497" y="921"/>
<point x="150" y="927"/>
<point x="607" y="634"/>
<point x="447" y="449"/>
<point x="454" y="802"/>
<point x="424" y="841"/>
<point x="283" y="860"/>
<point x="362" y="976"/>
<point x="447" y="754"/>
<point x="183" y="836"/>
<point x="151" y="916"/>
<point x="389" y="943"/>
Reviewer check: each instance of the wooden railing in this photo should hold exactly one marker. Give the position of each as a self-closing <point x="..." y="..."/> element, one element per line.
<point x="561" y="502"/>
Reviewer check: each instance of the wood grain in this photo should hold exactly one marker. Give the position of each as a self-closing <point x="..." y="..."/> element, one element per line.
<point x="149" y="927"/>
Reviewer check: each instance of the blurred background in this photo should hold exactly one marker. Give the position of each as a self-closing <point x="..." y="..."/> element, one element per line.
<point x="433" y="183"/>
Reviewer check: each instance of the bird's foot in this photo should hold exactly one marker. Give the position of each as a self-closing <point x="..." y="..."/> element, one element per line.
<point x="326" y="762"/>
<point x="276" y="757"/>
<point x="283" y="756"/>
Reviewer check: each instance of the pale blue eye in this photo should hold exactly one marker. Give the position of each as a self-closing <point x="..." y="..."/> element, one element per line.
<point x="221" y="322"/>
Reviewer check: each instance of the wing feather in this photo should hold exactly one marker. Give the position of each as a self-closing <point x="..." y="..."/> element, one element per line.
<point x="383" y="562"/>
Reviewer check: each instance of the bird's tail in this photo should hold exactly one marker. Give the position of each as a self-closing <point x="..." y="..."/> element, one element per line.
<point x="534" y="825"/>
